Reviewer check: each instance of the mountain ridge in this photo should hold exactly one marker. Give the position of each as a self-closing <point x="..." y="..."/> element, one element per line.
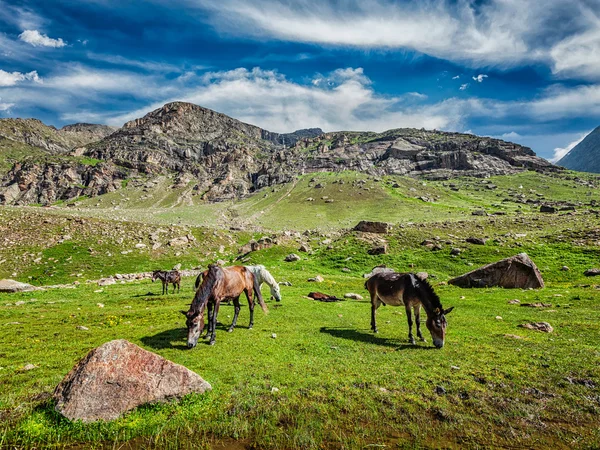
<point x="219" y="157"/>
<point x="585" y="156"/>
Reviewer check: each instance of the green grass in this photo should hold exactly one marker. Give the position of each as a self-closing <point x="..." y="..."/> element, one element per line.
<point x="337" y="384"/>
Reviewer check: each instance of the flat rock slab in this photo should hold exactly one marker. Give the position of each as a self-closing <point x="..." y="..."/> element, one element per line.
<point x="538" y="326"/>
<point x="119" y="376"/>
<point x="7" y="285"/>
<point x="516" y="272"/>
<point x="373" y="227"/>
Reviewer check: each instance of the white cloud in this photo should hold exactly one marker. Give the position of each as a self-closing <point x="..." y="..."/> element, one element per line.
<point x="6" y="106"/>
<point x="346" y="101"/>
<point x="456" y="77"/>
<point x="504" y="33"/>
<point x="559" y="152"/>
<point x="35" y="38"/>
<point x="479" y="78"/>
<point x="12" y="78"/>
<point x="464" y="87"/>
<point x="510" y="136"/>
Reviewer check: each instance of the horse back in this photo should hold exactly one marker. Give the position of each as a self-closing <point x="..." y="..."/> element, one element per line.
<point x="393" y="288"/>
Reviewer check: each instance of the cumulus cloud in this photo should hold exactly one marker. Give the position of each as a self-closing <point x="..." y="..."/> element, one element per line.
<point x="560" y="152"/>
<point x="12" y="78"/>
<point x="479" y="78"/>
<point x="37" y="39"/>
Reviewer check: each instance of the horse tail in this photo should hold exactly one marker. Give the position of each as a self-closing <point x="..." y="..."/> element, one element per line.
<point x="259" y="296"/>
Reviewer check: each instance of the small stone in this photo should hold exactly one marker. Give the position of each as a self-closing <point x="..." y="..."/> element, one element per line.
<point x="513" y="336"/>
<point x="29" y="367"/>
<point x="498" y="317"/>
<point x="538" y="326"/>
<point x="353" y="296"/>
<point x="455" y="251"/>
<point x="565" y="268"/>
<point x="100" y="305"/>
<point x="317" y="279"/>
<point x="19" y="303"/>
<point x="82" y="328"/>
<point x="455" y="367"/>
<point x="274" y="390"/>
<point x="292" y="257"/>
<point x="439" y="390"/>
<point x="274" y="336"/>
<point x="514" y="301"/>
<point x="97" y="291"/>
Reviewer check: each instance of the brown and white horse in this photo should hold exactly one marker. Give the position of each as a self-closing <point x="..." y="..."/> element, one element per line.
<point x="218" y="284"/>
<point x="396" y="289"/>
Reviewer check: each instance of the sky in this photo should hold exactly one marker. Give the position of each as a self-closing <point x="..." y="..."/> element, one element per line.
<point x="527" y="71"/>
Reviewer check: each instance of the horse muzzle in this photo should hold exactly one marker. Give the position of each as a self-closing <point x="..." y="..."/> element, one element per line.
<point x="438" y="344"/>
<point x="190" y="345"/>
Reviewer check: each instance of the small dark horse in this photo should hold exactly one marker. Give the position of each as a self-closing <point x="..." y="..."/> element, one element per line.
<point x="218" y="284"/>
<point x="172" y="276"/>
<point x="407" y="289"/>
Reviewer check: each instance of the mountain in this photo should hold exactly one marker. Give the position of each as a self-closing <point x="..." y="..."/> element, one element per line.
<point x="585" y="156"/>
<point x="218" y="157"/>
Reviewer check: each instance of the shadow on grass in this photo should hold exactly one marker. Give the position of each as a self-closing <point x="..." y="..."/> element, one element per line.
<point x="370" y="338"/>
<point x="165" y="338"/>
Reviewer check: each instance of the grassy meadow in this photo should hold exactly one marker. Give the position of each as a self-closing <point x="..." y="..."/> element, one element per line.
<point x="311" y="374"/>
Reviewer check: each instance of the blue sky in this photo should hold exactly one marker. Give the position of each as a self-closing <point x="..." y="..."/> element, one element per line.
<point x="523" y="70"/>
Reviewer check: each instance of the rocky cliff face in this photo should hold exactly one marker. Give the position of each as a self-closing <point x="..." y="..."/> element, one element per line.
<point x="226" y="158"/>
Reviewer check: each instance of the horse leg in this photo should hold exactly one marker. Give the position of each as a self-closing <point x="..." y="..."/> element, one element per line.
<point x="163" y="284"/>
<point x="250" y="298"/>
<point x="236" y="312"/>
<point x="411" y="338"/>
<point x="209" y="308"/>
<point x="417" y="309"/>
<point x="375" y="303"/>
<point x="213" y="335"/>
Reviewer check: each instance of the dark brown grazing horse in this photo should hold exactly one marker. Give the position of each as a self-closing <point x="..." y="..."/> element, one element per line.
<point x="407" y="289"/>
<point x="218" y="284"/>
<point x="167" y="277"/>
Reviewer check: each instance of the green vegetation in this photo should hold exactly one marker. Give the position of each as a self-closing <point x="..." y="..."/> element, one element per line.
<point x="324" y="381"/>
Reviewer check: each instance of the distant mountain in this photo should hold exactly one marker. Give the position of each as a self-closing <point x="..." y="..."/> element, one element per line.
<point x="585" y="156"/>
<point x="217" y="157"/>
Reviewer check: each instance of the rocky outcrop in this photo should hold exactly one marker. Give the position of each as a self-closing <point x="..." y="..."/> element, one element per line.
<point x="585" y="156"/>
<point x="518" y="272"/>
<point x="119" y="376"/>
<point x="372" y="227"/>
<point x="222" y="158"/>
<point x="46" y="182"/>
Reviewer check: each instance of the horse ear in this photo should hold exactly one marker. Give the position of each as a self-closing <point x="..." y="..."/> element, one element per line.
<point x="447" y="311"/>
<point x="183" y="312"/>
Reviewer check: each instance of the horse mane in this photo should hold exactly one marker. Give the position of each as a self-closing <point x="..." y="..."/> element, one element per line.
<point x="213" y="275"/>
<point x="426" y="288"/>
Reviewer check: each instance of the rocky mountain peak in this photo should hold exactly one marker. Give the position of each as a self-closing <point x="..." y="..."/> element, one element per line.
<point x="585" y="156"/>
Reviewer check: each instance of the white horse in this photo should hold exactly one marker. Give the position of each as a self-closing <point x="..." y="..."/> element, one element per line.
<point x="262" y="275"/>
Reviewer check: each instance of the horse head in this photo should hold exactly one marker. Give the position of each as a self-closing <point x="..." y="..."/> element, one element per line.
<point x="436" y="324"/>
<point x="276" y="293"/>
<point x="194" y="321"/>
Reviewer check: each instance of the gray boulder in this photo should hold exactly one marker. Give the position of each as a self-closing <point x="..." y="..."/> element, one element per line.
<point x="518" y="271"/>
<point x="372" y="227"/>
<point x="119" y="376"/>
<point x="7" y="285"/>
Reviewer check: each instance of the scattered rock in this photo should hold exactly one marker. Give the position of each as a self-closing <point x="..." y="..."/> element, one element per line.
<point x="292" y="257"/>
<point x="119" y="376"/>
<point x="422" y="275"/>
<point x="547" y="209"/>
<point x="304" y="248"/>
<point x="514" y="301"/>
<point x="353" y="296"/>
<point x="285" y="283"/>
<point x="583" y="382"/>
<point x="140" y="245"/>
<point x="440" y="390"/>
<point x="373" y="227"/>
<point x="592" y="272"/>
<point x="476" y="241"/>
<point x="100" y="305"/>
<point x="538" y="326"/>
<point x="498" y="317"/>
<point x="378" y="250"/>
<point x="177" y="266"/>
<point x="565" y="268"/>
<point x="82" y="328"/>
<point x="516" y="272"/>
<point x="28" y="367"/>
<point x="317" y="279"/>
<point x="537" y="305"/>
<point x="478" y="212"/>
<point x="106" y="281"/>
<point x="455" y="251"/>
<point x="513" y="336"/>
<point x="274" y="336"/>
<point x="178" y="242"/>
<point x="11" y="286"/>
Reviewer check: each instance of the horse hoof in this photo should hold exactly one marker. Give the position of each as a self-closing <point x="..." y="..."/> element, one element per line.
<point x="230" y="330"/>
<point x="412" y="341"/>
<point x="423" y="339"/>
<point x="211" y="343"/>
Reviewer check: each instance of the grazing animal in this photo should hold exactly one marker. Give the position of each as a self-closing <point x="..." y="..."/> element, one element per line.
<point x="218" y="284"/>
<point x="262" y="275"/>
<point x="168" y="277"/>
<point x="407" y="289"/>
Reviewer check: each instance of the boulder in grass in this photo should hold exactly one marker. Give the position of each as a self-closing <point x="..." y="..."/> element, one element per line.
<point x="538" y="326"/>
<point x="7" y="285"/>
<point x="372" y="227"/>
<point x="516" y="272"/>
<point x="119" y="376"/>
<point x="592" y="272"/>
<point x="292" y="257"/>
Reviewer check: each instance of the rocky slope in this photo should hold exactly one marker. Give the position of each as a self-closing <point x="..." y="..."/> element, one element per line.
<point x="219" y="157"/>
<point x="585" y="156"/>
